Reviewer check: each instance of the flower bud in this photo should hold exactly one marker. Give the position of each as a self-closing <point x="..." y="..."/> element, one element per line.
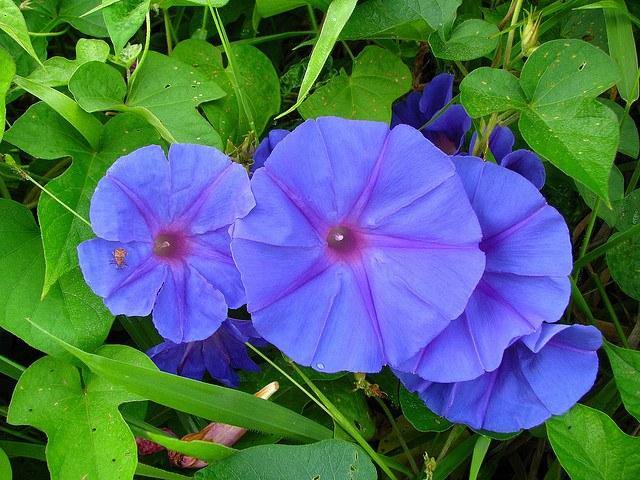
<point x="530" y="33"/>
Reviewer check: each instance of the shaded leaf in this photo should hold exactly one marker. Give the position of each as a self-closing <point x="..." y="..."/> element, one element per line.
<point x="295" y="462"/>
<point x="624" y="259"/>
<point x="422" y="419"/>
<point x="625" y="364"/>
<point x="616" y="194"/>
<point x="469" y="40"/>
<point x="123" y="19"/>
<point x="377" y="79"/>
<point x="70" y="309"/>
<point x="7" y="71"/>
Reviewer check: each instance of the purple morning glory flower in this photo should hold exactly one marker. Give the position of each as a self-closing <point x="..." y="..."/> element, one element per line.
<point x="163" y="240"/>
<point x="221" y="354"/>
<point x="267" y="144"/>
<point x="542" y="374"/>
<point x="525" y="283"/>
<point x="361" y="248"/>
<point x="446" y="132"/>
<point x="522" y="161"/>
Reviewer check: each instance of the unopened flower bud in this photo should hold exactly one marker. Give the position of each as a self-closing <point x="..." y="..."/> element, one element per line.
<point x="530" y="33"/>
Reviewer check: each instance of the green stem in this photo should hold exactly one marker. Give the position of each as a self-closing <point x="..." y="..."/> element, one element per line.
<point x="345" y="424"/>
<point x="167" y="30"/>
<point x="232" y="67"/>
<point x="396" y="430"/>
<point x="147" y="41"/>
<point x="10" y="368"/>
<point x="602" y="249"/>
<point x="49" y="34"/>
<point x="272" y="38"/>
<point x="589" y="231"/>
<point x="455" y="432"/>
<point x="312" y="18"/>
<point x="511" y="34"/>
<point x="610" y="309"/>
<point x="582" y="304"/>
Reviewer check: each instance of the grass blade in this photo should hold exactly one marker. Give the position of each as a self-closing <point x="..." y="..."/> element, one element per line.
<point x="622" y="48"/>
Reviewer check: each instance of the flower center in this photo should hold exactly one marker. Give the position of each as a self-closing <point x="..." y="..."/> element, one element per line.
<point x="342" y="239"/>
<point x="169" y="245"/>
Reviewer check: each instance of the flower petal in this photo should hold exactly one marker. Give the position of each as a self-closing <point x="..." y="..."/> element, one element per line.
<point x="180" y="314"/>
<point x="527" y="388"/>
<point x="208" y="190"/>
<point x="184" y="359"/>
<point x="527" y="164"/>
<point x="436" y="94"/>
<point x="266" y="147"/>
<point x="129" y="288"/>
<point x="324" y="324"/>
<point x="210" y="255"/>
<point x="342" y="151"/>
<point x="407" y="111"/>
<point x="448" y="131"/>
<point x="130" y="201"/>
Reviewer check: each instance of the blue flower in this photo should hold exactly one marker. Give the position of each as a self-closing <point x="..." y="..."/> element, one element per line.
<point x="221" y="354"/>
<point x="522" y="161"/>
<point x="163" y="240"/>
<point x="542" y="374"/>
<point x="266" y="146"/>
<point x="525" y="282"/>
<point x="448" y="130"/>
<point x="362" y="246"/>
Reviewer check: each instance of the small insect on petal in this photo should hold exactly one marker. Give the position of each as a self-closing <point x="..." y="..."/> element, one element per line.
<point x="119" y="258"/>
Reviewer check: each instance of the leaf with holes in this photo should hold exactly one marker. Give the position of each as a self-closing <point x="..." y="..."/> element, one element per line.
<point x="377" y="79"/>
<point x="559" y="116"/>
<point x="294" y="462"/>
<point x="70" y="309"/>
<point x="87" y="436"/>
<point x="41" y="132"/>
<point x="172" y="91"/>
<point x="256" y="76"/>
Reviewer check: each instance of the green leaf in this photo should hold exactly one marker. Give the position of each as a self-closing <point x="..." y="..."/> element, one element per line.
<point x="479" y="452"/>
<point x="487" y="90"/>
<point x="471" y="39"/>
<point x="416" y="412"/>
<point x="212" y="402"/>
<point x="624" y="258"/>
<point x="5" y="466"/>
<point x="73" y="12"/>
<point x="377" y="79"/>
<point x="123" y="19"/>
<point x="42" y="133"/>
<point x="561" y="121"/>
<point x="616" y="195"/>
<point x="87" y="125"/>
<point x="70" y="309"/>
<point x="258" y="80"/>
<point x="57" y="71"/>
<point x="353" y="405"/>
<point x="93" y="96"/>
<point x="622" y="48"/>
<point x="269" y="8"/>
<point x="387" y="19"/>
<point x="337" y="15"/>
<point x="172" y="91"/>
<point x="7" y="71"/>
<point x="13" y="24"/>
<point x="625" y="364"/>
<point x="629" y="140"/>
<point x="590" y="446"/>
<point x="329" y="459"/>
<point x="87" y="436"/>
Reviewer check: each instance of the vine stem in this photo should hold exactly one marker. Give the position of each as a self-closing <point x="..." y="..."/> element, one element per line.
<point x="511" y="34"/>
<point x="147" y="42"/>
<point x="610" y="309"/>
<point x="602" y="249"/>
<point x="226" y="45"/>
<point x="396" y="430"/>
<point x="167" y="30"/>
